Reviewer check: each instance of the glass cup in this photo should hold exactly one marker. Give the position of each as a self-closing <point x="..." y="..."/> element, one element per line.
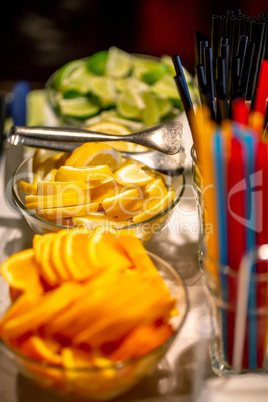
<point x="238" y="304"/>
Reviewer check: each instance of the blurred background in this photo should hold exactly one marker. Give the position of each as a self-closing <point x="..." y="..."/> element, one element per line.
<point x="37" y="37"/>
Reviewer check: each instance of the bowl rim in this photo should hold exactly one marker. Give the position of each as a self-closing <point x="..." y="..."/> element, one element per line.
<point x="121" y="364"/>
<point x="60" y="226"/>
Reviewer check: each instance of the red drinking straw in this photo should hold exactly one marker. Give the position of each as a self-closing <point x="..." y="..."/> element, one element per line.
<point x="262" y="89"/>
<point x="240" y="111"/>
<point x="261" y="238"/>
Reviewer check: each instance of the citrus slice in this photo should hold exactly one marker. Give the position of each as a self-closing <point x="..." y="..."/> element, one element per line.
<point x="165" y="87"/>
<point x="65" y="72"/>
<point x="81" y="107"/>
<point x="41" y="349"/>
<point x="69" y="173"/>
<point x="57" y="214"/>
<point x="119" y="63"/>
<point x="123" y="205"/>
<point x="165" y="106"/>
<point x="28" y="187"/>
<point x="130" y="103"/>
<point x="79" y="80"/>
<point x="76" y="255"/>
<point x="57" y="255"/>
<point x="58" y="200"/>
<point x="150" y="114"/>
<point x="132" y="174"/>
<point x="160" y="206"/>
<point x="104" y="90"/>
<point x="121" y="84"/>
<point x="96" y="62"/>
<point x="21" y="271"/>
<point x="94" y="154"/>
<point x="97" y="220"/>
<point x="42" y="251"/>
<point x="55" y="187"/>
<point x="114" y="127"/>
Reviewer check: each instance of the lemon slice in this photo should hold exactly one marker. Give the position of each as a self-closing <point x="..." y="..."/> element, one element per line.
<point x="103" y="89"/>
<point x="94" y="154"/>
<point x="156" y="209"/>
<point x="111" y="127"/>
<point x="123" y="205"/>
<point x="57" y="214"/>
<point x="132" y="174"/>
<point x="80" y="107"/>
<point x="56" y="187"/>
<point x="69" y="173"/>
<point x="119" y="63"/>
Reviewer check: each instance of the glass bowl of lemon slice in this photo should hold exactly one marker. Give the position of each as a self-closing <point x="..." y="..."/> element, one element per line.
<point x="94" y="187"/>
<point x="129" y="325"/>
<point x="115" y="86"/>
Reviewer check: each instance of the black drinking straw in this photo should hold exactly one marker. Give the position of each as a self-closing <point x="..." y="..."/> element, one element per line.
<point x="230" y="14"/>
<point x="202" y="86"/>
<point x="237" y="28"/>
<point x="203" y="44"/>
<point x="198" y="37"/>
<point x="245" y="73"/>
<point x="208" y="67"/>
<point x="257" y="38"/>
<point x="221" y="98"/>
<point x="183" y="88"/>
<point x="215" y="27"/>
<point x="224" y="53"/>
<point x="243" y="41"/>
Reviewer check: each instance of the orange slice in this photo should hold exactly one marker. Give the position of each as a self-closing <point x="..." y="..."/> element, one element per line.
<point x="57" y="255"/>
<point x="42" y="250"/>
<point x="42" y="350"/>
<point x="95" y="154"/>
<point x="21" y="271"/>
<point x="69" y="173"/>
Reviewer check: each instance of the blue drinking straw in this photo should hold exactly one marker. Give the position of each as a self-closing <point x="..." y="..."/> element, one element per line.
<point x="249" y="145"/>
<point x="219" y="152"/>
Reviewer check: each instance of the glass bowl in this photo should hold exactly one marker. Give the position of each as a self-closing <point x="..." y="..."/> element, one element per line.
<point x="102" y="383"/>
<point x="144" y="230"/>
<point x="163" y="95"/>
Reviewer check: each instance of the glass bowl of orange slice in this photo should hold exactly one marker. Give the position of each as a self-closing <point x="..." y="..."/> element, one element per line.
<point x="94" y="186"/>
<point x="90" y="315"/>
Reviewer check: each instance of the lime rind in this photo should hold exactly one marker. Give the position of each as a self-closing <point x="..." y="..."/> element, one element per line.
<point x="80" y="108"/>
<point x="65" y="72"/>
<point x="118" y="64"/>
<point x="79" y="80"/>
<point x="103" y="88"/>
<point x="96" y="63"/>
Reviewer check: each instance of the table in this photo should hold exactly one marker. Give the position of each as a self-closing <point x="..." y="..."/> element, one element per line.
<point x="175" y="378"/>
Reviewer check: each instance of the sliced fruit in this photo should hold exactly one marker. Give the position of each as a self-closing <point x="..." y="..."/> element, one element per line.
<point x="55" y="187"/>
<point x="58" y="200"/>
<point x="96" y="63"/>
<point x="165" y="106"/>
<point x="42" y="250"/>
<point x="65" y="72"/>
<point x="42" y="350"/>
<point x="21" y="271"/>
<point x="28" y="187"/>
<point x="121" y="84"/>
<point x="79" y="80"/>
<point x="119" y="63"/>
<point x="130" y="104"/>
<point x="165" y="87"/>
<point x="57" y="214"/>
<point x="81" y="108"/>
<point x="69" y="173"/>
<point x="97" y="220"/>
<point x="132" y="174"/>
<point x="94" y="154"/>
<point x="57" y="251"/>
<point x="160" y="206"/>
<point x="123" y="205"/>
<point x="103" y="89"/>
<point x="150" y="113"/>
<point x="154" y="74"/>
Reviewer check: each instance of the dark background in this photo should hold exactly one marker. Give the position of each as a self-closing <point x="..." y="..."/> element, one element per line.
<point x="37" y="37"/>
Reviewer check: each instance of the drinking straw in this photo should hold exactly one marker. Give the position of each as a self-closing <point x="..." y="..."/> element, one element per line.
<point x="203" y="44"/>
<point x="202" y="86"/>
<point x="224" y="53"/>
<point x="240" y="111"/>
<point x="236" y="239"/>
<point x="229" y="15"/>
<point x="215" y="27"/>
<point x="244" y="25"/>
<point x="221" y="97"/>
<point x="243" y="41"/>
<point x="245" y="73"/>
<point x="237" y="29"/>
<point x="256" y="37"/>
<point x="183" y="90"/>
<point x="260" y="104"/>
<point x="208" y="66"/>
<point x="198" y="37"/>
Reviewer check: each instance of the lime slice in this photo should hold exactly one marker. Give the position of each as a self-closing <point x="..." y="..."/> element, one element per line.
<point x="79" y="80"/>
<point x="121" y="84"/>
<point x="155" y="74"/>
<point x="96" y="63"/>
<point x="143" y="65"/>
<point x="80" y="108"/>
<point x="165" y="88"/>
<point x="165" y="106"/>
<point x="65" y="72"/>
<point x="150" y="114"/>
<point x="118" y="64"/>
<point x="130" y="103"/>
<point x="112" y="116"/>
<point x="104" y="90"/>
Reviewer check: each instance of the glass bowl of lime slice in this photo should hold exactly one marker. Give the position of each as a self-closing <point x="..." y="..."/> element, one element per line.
<point x="50" y="202"/>
<point x="115" y="86"/>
